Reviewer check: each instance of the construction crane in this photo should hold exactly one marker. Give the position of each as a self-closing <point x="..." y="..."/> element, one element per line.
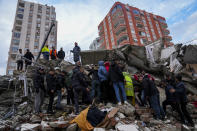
<point x="45" y="40"/>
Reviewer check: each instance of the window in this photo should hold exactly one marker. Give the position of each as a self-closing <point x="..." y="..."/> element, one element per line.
<point x="17" y="35"/>
<point x="14" y="48"/>
<point x="122" y="39"/>
<point x="36" y="44"/>
<point x="21" y="4"/>
<point x="20" y="10"/>
<point x="139" y="25"/>
<point x="19" y="22"/>
<point x="142" y="33"/>
<point x="12" y="64"/>
<point x="15" y="42"/>
<point x="20" y="16"/>
<point x="10" y="72"/>
<point x="136" y="12"/>
<point x="13" y="56"/>
<point x="161" y="20"/>
<point x="18" y="28"/>
<point x="135" y="40"/>
<point x="115" y="8"/>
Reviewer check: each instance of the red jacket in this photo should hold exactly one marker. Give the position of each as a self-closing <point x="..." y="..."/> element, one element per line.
<point x="107" y="65"/>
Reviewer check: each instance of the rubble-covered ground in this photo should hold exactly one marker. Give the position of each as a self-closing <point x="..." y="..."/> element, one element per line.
<point x="17" y="98"/>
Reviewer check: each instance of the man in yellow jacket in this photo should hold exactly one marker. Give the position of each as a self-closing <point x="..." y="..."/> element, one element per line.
<point x="129" y="89"/>
<point x="45" y="52"/>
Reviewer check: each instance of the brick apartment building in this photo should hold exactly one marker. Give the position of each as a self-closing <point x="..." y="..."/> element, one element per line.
<point x="125" y="24"/>
<point x="32" y="23"/>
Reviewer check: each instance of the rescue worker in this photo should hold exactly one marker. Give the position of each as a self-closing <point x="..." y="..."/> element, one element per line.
<point x="45" y="52"/>
<point x="40" y="90"/>
<point x="180" y="92"/>
<point x="29" y="56"/>
<point x="76" y="52"/>
<point x="51" y="85"/>
<point x="79" y="85"/>
<point x="19" y="60"/>
<point x="59" y="86"/>
<point x="129" y="89"/>
<point x="61" y="54"/>
<point x="117" y="79"/>
<point x="53" y="53"/>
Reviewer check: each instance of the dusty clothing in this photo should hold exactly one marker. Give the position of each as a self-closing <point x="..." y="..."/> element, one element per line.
<point x="76" y="52"/>
<point x="19" y="56"/>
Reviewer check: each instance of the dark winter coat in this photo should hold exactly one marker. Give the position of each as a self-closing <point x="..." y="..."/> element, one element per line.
<point x="94" y="74"/>
<point x="39" y="81"/>
<point x="61" y="54"/>
<point x="181" y="92"/>
<point x="78" y="79"/>
<point x="51" y="82"/>
<point x="29" y="56"/>
<point x="170" y="96"/>
<point x="149" y="87"/>
<point x="115" y="73"/>
<point x="76" y="52"/>
<point x="60" y="82"/>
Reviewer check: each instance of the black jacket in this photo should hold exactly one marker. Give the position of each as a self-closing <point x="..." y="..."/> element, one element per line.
<point x="51" y="82"/>
<point x="78" y="79"/>
<point x="60" y="82"/>
<point x="170" y="96"/>
<point x="181" y="92"/>
<point x="149" y="87"/>
<point x="29" y="56"/>
<point x="115" y="73"/>
<point x="94" y="74"/>
<point x="61" y="54"/>
<point x="39" y="81"/>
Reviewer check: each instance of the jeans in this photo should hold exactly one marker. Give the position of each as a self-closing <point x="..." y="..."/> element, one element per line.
<point x="51" y="99"/>
<point x="117" y="86"/>
<point x="70" y="95"/>
<point x="46" y="55"/>
<point x="20" y="65"/>
<point x="95" y="89"/>
<point x="39" y="99"/>
<point x="155" y="104"/>
<point x="59" y="98"/>
<point x="185" y="112"/>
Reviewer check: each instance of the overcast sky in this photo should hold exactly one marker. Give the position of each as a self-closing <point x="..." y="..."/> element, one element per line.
<point x="78" y="20"/>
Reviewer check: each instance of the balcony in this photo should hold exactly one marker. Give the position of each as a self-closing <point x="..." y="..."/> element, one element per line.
<point x="120" y="22"/>
<point x="122" y="39"/>
<point x="122" y="34"/>
<point x="166" y="32"/>
<point x="117" y="14"/>
<point x="120" y="29"/>
<point x="167" y="38"/>
<point x="164" y="25"/>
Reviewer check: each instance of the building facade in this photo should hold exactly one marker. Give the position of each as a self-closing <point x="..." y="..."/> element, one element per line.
<point x="125" y="24"/>
<point x="95" y="44"/>
<point x="31" y="25"/>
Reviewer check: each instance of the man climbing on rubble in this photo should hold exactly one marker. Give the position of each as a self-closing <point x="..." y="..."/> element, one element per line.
<point x="79" y="85"/>
<point x="40" y="89"/>
<point x="60" y="84"/>
<point x="61" y="54"/>
<point x="19" y="60"/>
<point x="171" y="99"/>
<point x="53" y="53"/>
<point x="117" y="79"/>
<point x="45" y="52"/>
<point x="180" y="92"/>
<point x="151" y="92"/>
<point x="29" y="57"/>
<point x="51" y="85"/>
<point x="95" y="91"/>
<point x="103" y="78"/>
<point x="76" y="52"/>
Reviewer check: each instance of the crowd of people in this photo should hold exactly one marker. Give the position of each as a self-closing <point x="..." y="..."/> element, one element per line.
<point x="110" y="82"/>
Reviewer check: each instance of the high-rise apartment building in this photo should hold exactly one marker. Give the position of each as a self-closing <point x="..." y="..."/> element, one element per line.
<point x="31" y="25"/>
<point x="125" y="24"/>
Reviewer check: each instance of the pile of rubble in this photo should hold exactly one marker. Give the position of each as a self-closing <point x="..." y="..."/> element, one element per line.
<point x="17" y="92"/>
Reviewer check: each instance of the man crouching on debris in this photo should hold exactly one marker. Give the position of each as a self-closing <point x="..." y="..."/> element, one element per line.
<point x="40" y="90"/>
<point x="79" y="85"/>
<point x="51" y="84"/>
<point x="151" y="92"/>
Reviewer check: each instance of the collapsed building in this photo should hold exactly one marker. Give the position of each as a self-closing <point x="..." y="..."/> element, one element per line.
<point x="17" y="99"/>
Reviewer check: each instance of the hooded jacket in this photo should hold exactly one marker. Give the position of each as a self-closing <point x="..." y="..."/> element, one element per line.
<point x="107" y="65"/>
<point x="29" y="56"/>
<point x="115" y="73"/>
<point x="61" y="54"/>
<point x="102" y="72"/>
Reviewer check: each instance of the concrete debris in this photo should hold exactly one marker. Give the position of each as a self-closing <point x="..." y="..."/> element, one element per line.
<point x="30" y="127"/>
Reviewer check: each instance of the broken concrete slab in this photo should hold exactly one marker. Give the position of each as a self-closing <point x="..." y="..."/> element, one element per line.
<point x="30" y="127"/>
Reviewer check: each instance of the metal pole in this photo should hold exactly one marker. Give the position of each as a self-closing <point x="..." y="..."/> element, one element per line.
<point x="53" y="24"/>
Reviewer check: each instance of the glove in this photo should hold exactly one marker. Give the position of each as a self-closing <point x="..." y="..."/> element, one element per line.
<point x="37" y="90"/>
